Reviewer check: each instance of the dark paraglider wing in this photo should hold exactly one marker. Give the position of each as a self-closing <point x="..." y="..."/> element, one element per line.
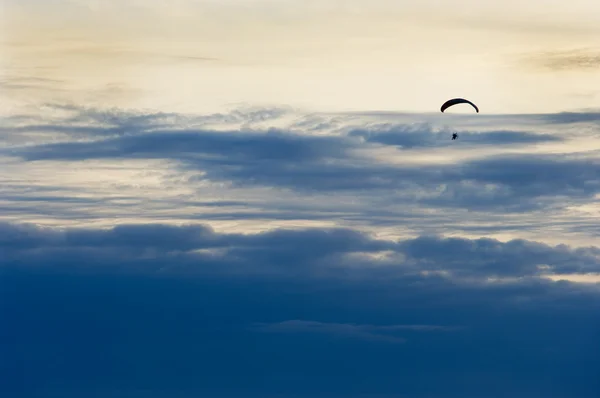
<point x="456" y="101"/>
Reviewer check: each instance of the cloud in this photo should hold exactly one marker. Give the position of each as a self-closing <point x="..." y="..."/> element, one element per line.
<point x="513" y="258"/>
<point x="366" y="332"/>
<point x="126" y="309"/>
<point x="198" y="249"/>
<point x="253" y="169"/>
<point x="343" y="330"/>
<point x="573" y="117"/>
<point x="407" y="136"/>
<point x="577" y="59"/>
<point x="327" y="164"/>
<point x="237" y="167"/>
<point x="223" y="147"/>
<point x="269" y="252"/>
<point x="133" y="54"/>
<point x="13" y="82"/>
<point x="521" y="182"/>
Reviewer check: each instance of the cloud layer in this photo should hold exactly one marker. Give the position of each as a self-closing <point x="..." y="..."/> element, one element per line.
<point x="335" y="159"/>
<point x="269" y="253"/>
<point x="191" y="311"/>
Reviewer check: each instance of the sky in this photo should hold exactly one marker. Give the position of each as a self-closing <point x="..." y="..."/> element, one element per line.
<point x="261" y="198"/>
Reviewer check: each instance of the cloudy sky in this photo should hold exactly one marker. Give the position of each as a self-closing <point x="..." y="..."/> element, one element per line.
<point x="260" y="198"/>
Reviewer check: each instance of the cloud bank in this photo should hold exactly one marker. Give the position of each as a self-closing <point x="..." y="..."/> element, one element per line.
<point x="189" y="310"/>
<point x="269" y="253"/>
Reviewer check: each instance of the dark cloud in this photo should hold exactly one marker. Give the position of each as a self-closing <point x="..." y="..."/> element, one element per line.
<point x="407" y="136"/>
<point x="210" y="146"/>
<point x="573" y="117"/>
<point x="507" y="183"/>
<point x="306" y="252"/>
<point x="491" y="257"/>
<point x="72" y="326"/>
<point x="520" y="183"/>
<point x="156" y="310"/>
<point x="327" y="164"/>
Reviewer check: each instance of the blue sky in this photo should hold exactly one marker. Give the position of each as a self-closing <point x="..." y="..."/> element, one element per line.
<point x="261" y="199"/>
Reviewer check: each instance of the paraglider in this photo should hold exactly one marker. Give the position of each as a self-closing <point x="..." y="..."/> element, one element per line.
<point x="456" y="101"/>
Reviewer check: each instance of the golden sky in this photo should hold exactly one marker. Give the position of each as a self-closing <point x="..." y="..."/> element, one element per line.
<point x="329" y="55"/>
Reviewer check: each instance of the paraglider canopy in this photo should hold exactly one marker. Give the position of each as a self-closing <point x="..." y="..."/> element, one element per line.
<point x="456" y="101"/>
